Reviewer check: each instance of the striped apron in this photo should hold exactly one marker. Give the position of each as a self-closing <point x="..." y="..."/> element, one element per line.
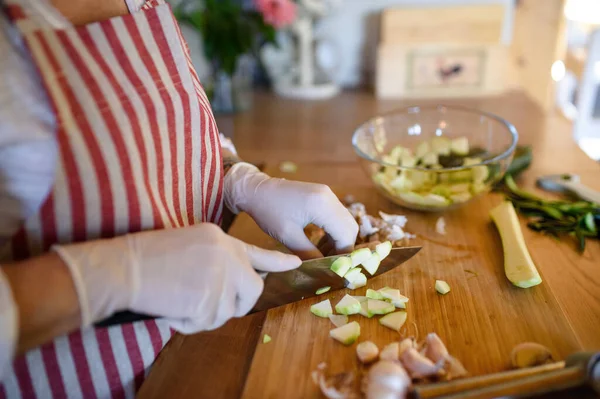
<point x="139" y="150"/>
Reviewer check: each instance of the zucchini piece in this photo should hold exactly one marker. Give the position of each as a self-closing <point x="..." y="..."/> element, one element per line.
<point x="346" y="334"/>
<point x="375" y="306"/>
<point x="440" y="145"/>
<point x="395" y="320"/>
<point x="460" y="146"/>
<point x="372" y="264"/>
<point x="322" y="309"/>
<point x="372" y="294"/>
<point x="422" y="149"/>
<point x="348" y="305"/>
<point x="429" y="159"/>
<point x="322" y="290"/>
<point x="359" y="256"/>
<point x="518" y="265"/>
<point x="383" y="249"/>
<point x="442" y="287"/>
<point x="341" y="265"/>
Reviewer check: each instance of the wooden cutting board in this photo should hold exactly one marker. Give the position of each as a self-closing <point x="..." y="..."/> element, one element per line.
<point x="480" y="320"/>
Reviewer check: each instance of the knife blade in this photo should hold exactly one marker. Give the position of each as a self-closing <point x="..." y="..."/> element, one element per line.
<point x="301" y="283"/>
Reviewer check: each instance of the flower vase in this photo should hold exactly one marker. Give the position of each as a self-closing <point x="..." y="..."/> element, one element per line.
<point x="232" y="93"/>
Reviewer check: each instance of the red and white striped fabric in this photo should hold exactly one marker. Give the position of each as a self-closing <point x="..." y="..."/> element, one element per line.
<point x="139" y="149"/>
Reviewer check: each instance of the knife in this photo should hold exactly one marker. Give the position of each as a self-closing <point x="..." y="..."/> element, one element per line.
<point x="301" y="283"/>
<point x="294" y="285"/>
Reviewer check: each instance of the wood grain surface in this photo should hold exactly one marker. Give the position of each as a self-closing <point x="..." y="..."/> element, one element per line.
<point x="480" y="320"/>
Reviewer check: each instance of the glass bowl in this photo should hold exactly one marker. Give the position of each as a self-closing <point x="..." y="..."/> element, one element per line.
<point x="434" y="158"/>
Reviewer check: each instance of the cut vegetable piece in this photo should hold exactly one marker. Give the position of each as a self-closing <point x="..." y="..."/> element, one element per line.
<point x="338" y="320"/>
<point x="359" y="256"/>
<point x="352" y="273"/>
<point x="322" y="290"/>
<point x="462" y="197"/>
<point x="442" y="287"/>
<point x="346" y="334"/>
<point x="393" y="295"/>
<point x="367" y="351"/>
<point x="266" y="339"/>
<point x="383" y="249"/>
<point x="422" y="178"/>
<point x="480" y="173"/>
<point x="341" y="265"/>
<point x="518" y="265"/>
<point x="402" y="183"/>
<point x="399" y="152"/>
<point x="348" y="305"/>
<point x="395" y="320"/>
<point x="460" y="146"/>
<point x="430" y="158"/>
<point x="364" y="310"/>
<point x="379" y="307"/>
<point x="359" y="281"/>
<point x="440" y="145"/>
<point x="459" y="188"/>
<point x="391" y="352"/>
<point x="408" y="161"/>
<point x="435" y="200"/>
<point x="478" y="188"/>
<point x="372" y="264"/>
<point x="422" y="149"/>
<point x="372" y="294"/>
<point x="360" y="299"/>
<point x="322" y="309"/>
<point x="442" y="190"/>
<point x="471" y="161"/>
<point x="440" y="226"/>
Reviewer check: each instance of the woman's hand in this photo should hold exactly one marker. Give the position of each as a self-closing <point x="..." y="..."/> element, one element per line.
<point x="283" y="208"/>
<point x="197" y="277"/>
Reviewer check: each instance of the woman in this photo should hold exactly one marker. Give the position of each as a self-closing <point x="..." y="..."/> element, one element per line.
<point x="112" y="184"/>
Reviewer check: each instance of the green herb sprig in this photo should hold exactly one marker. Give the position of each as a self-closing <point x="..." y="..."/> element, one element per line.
<point x="577" y="219"/>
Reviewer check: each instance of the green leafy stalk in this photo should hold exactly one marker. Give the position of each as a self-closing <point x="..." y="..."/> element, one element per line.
<point x="577" y="219"/>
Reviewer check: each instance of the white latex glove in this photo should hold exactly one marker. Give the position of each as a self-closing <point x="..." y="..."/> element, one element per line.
<point x="197" y="277"/>
<point x="282" y="208"/>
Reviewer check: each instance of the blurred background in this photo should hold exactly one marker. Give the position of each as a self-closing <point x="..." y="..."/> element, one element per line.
<point x="312" y="50"/>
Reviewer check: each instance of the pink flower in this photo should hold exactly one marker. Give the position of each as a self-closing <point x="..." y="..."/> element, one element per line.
<point x="278" y="13"/>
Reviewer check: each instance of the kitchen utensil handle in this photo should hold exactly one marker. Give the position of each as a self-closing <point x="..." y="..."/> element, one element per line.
<point x="464" y="384"/>
<point x="532" y="385"/>
<point x="583" y="191"/>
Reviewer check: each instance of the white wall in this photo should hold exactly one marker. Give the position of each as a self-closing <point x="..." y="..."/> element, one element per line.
<point x="353" y="29"/>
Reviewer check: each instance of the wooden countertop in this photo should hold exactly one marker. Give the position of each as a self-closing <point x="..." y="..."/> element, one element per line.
<point x="480" y="320"/>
